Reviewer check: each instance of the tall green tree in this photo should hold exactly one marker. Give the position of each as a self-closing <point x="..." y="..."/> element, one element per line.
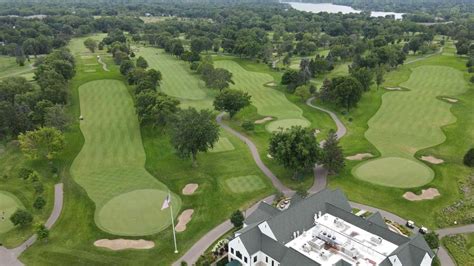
<point x="333" y="157"/>
<point x="218" y="78"/>
<point x="141" y="62"/>
<point x="295" y="148"/>
<point x="21" y="218"/>
<point x="43" y="143"/>
<point x="379" y="76"/>
<point x="90" y="44"/>
<point x="364" y="76"/>
<point x="194" y="132"/>
<point x="237" y="219"/>
<point x="231" y="101"/>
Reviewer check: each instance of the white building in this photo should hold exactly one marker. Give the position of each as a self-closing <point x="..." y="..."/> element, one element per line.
<point x="321" y="230"/>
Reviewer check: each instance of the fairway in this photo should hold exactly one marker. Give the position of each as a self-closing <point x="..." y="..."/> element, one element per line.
<point x="110" y="166"/>
<point x="243" y="184"/>
<point x="408" y="121"/>
<point x="178" y="81"/>
<point x="223" y="145"/>
<point x="8" y="205"/>
<point x="9" y="67"/>
<point x="268" y="101"/>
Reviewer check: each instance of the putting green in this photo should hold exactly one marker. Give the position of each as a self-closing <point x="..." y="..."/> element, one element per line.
<point x="243" y="184"/>
<point x="178" y="80"/>
<point x="223" y="145"/>
<point x="408" y="121"/>
<point x="268" y="101"/>
<point x="8" y="205"/>
<point x="110" y="166"/>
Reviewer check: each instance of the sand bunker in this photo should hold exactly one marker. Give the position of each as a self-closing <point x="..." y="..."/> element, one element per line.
<point x="393" y="88"/>
<point x="426" y="194"/>
<point x="359" y="156"/>
<point x="451" y="100"/>
<point x="184" y="219"/>
<point x="271" y="84"/>
<point x="120" y="244"/>
<point x="190" y="188"/>
<point x="432" y="159"/>
<point x="261" y="121"/>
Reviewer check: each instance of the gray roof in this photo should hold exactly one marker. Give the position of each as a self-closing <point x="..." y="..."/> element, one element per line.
<point x="377" y="219"/>
<point x="263" y="212"/>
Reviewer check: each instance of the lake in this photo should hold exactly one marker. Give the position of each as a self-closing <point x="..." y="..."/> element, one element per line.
<point x="331" y="8"/>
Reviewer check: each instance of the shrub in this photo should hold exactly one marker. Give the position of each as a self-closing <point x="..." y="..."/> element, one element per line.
<point x="34" y="176"/>
<point x="472" y="79"/>
<point x="432" y="239"/>
<point x="21" y="218"/>
<point x="38" y="186"/>
<point x="24" y="173"/>
<point x="42" y="232"/>
<point x="469" y="158"/>
<point x="39" y="203"/>
<point x="248" y="125"/>
<point x="237" y="219"/>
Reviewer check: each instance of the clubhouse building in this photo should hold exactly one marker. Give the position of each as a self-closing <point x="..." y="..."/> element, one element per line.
<point x="321" y="230"/>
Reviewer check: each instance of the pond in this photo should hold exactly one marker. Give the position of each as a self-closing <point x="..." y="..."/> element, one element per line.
<point x="331" y="8"/>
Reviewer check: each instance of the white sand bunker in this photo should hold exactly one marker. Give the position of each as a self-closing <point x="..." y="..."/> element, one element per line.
<point x="263" y="120"/>
<point x="184" y="219"/>
<point x="432" y="159"/>
<point x="451" y="100"/>
<point x="190" y="188"/>
<point x="271" y="84"/>
<point x="120" y="244"/>
<point x="393" y="88"/>
<point x="359" y="156"/>
<point x="426" y="194"/>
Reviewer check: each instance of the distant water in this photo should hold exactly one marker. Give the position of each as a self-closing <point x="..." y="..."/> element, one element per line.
<point x="331" y="8"/>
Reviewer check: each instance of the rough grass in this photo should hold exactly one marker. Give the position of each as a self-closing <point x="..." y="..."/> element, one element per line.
<point x="178" y="80"/>
<point x="9" y="67"/>
<point x="223" y="145"/>
<point x="8" y="205"/>
<point x="243" y="184"/>
<point x="461" y="248"/>
<point x="268" y="101"/>
<point x="112" y="161"/>
<point x="409" y="121"/>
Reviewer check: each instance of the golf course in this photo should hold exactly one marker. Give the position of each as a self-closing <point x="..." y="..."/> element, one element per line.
<point x="8" y="205"/>
<point x="408" y="121"/>
<point x="110" y="166"/>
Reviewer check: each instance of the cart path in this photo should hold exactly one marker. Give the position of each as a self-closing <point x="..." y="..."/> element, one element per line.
<point x="104" y="65"/>
<point x="9" y="257"/>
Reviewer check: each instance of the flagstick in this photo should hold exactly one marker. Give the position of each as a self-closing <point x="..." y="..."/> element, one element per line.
<point x="172" y="224"/>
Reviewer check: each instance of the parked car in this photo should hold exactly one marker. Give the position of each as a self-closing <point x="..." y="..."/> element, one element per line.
<point x="410" y="224"/>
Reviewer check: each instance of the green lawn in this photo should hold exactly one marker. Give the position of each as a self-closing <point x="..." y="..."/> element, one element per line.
<point x="408" y="121"/>
<point x="242" y="184"/>
<point x="178" y="80"/>
<point x="9" y="67"/>
<point x="461" y="248"/>
<point x="268" y="101"/>
<point x="223" y="145"/>
<point x="9" y="203"/>
<point x="212" y="205"/>
<point x="110" y="165"/>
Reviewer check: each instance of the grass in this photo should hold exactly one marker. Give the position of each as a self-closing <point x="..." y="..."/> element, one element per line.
<point x="243" y="184"/>
<point x="212" y="205"/>
<point x="110" y="164"/>
<point x="461" y="248"/>
<point x="178" y="80"/>
<point x="223" y="145"/>
<point x="407" y="122"/>
<point x="268" y="101"/>
<point x="8" y="205"/>
<point x="9" y="68"/>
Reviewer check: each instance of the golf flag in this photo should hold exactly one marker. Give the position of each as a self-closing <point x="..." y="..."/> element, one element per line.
<point x="166" y="203"/>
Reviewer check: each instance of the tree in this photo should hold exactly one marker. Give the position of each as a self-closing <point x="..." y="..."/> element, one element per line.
<point x="379" y="76"/>
<point x="141" y="62"/>
<point x="194" y="132"/>
<point x="218" y="78"/>
<point x="90" y="44"/>
<point x="364" y="76"/>
<point x="414" y="44"/>
<point x="21" y="218"/>
<point x="302" y="92"/>
<point x="290" y="76"/>
<point x="42" y="232"/>
<point x="237" y="219"/>
<point x="295" y="148"/>
<point x="231" y="101"/>
<point x="44" y="142"/>
<point x="347" y="91"/>
<point x="287" y="60"/>
<point x="57" y="117"/>
<point x="333" y="157"/>
<point x="39" y="203"/>
<point x="126" y="66"/>
<point x="432" y="239"/>
<point x="469" y="158"/>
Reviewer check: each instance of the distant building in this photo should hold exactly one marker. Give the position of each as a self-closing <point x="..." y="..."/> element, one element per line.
<point x="148" y="15"/>
<point x="321" y="230"/>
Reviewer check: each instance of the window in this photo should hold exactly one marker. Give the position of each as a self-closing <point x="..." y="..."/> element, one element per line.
<point x="255" y="259"/>
<point x="239" y="255"/>
<point x="266" y="259"/>
<point x="245" y="259"/>
<point x="273" y="263"/>
<point x="232" y="250"/>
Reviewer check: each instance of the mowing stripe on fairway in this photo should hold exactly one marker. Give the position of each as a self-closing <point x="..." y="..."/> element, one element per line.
<point x="408" y="121"/>
<point x="269" y="102"/>
<point x="110" y="166"/>
<point x="243" y="184"/>
<point x="223" y="145"/>
<point x="8" y="205"/>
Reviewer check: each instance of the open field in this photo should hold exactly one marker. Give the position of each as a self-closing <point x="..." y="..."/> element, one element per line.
<point x="212" y="205"/>
<point x="408" y="121"/>
<point x="9" y="67"/>
<point x="110" y="164"/>
<point x="268" y="101"/>
<point x="8" y="205"/>
<point x="178" y="80"/>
